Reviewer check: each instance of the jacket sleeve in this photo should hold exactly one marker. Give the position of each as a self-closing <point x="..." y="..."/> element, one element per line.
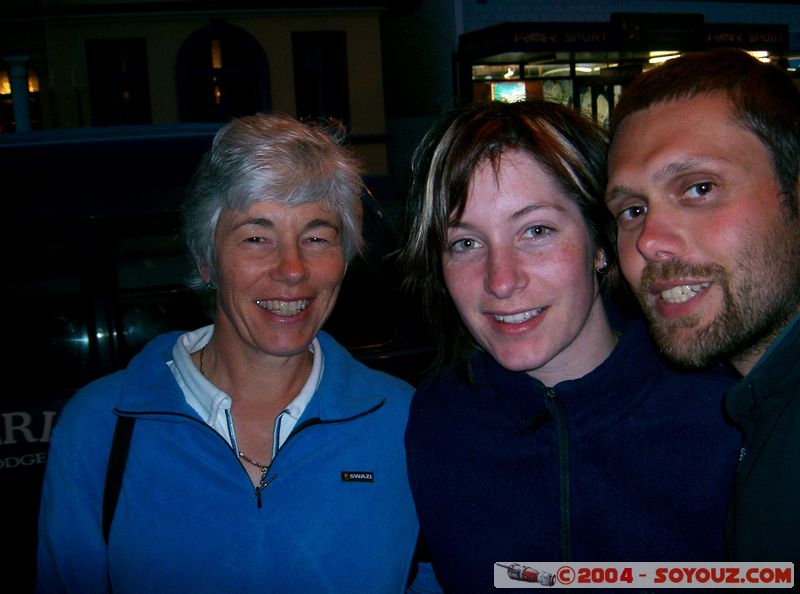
<point x="72" y="552"/>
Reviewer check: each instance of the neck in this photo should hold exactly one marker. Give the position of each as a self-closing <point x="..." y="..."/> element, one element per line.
<point x="747" y="359"/>
<point x="594" y="344"/>
<point x="256" y="400"/>
<point x="261" y="381"/>
<point x="745" y="363"/>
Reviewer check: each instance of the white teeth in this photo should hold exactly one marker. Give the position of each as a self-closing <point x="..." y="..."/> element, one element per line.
<point x="518" y="318"/>
<point x="283" y="308"/>
<point x="682" y="293"/>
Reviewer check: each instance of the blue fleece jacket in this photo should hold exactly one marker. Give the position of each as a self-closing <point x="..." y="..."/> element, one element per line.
<point x="633" y="462"/>
<point x="187" y="519"/>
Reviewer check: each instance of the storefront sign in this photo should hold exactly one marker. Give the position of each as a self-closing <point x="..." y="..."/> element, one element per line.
<point x="772" y="38"/>
<point x="535" y="37"/>
<point x="653" y="32"/>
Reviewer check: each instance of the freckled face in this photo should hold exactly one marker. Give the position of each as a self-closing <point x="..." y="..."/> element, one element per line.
<point x="279" y="272"/>
<point x="520" y="268"/>
<point x="704" y="236"/>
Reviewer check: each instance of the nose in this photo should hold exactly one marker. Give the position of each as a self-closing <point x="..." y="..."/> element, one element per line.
<point x="290" y="266"/>
<point x="504" y="274"/>
<point x="661" y="237"/>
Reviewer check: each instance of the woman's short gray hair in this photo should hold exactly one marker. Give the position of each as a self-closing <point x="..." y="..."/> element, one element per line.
<point x="271" y="157"/>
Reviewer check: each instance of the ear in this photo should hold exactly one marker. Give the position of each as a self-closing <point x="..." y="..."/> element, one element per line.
<point x="600" y="261"/>
<point x="205" y="275"/>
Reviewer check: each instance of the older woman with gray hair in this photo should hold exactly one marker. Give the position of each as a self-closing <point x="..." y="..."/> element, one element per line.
<point x="259" y="454"/>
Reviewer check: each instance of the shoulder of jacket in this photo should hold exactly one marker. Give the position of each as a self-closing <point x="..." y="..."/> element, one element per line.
<point x="340" y="361"/>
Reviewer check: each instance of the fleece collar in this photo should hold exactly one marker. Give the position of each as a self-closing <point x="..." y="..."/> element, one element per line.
<point x="768" y="385"/>
<point x="149" y="386"/>
<point x="603" y="397"/>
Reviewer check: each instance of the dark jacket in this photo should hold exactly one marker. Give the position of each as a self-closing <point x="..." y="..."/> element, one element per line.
<point x="633" y="462"/>
<point x="764" y="523"/>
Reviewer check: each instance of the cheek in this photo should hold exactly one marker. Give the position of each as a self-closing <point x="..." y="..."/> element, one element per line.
<point x="332" y="272"/>
<point x="568" y="265"/>
<point x="239" y="272"/>
<point x="630" y="260"/>
<point x="459" y="282"/>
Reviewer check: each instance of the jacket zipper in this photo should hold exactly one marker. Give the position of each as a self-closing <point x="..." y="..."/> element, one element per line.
<point x="556" y="408"/>
<point x="265" y="482"/>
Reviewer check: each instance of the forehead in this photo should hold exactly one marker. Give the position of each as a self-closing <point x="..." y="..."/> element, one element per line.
<point x="513" y="171"/>
<point x="668" y="118"/>
<point x="698" y="128"/>
<point x="516" y="183"/>
<point x="277" y="214"/>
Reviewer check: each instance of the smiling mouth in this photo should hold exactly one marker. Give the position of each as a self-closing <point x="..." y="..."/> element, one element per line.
<point x="283" y="308"/>
<point x="519" y="318"/>
<point x="682" y="293"/>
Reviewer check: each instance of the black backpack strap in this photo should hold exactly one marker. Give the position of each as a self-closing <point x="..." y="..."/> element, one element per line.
<point x="116" y="469"/>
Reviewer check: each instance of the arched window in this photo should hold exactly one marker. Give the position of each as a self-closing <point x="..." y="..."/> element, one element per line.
<point x="221" y="73"/>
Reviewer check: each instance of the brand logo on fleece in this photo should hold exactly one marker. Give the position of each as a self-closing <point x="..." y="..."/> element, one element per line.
<point x="349" y="476"/>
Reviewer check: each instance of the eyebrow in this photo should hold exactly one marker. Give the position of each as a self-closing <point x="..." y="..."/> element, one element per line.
<point x="316" y="223"/>
<point x="677" y="168"/>
<point x="668" y="170"/>
<point x="266" y="223"/>
<point x="620" y="192"/>
<point x="516" y="215"/>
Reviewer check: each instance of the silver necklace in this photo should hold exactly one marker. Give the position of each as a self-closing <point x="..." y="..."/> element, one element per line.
<point x="242" y="456"/>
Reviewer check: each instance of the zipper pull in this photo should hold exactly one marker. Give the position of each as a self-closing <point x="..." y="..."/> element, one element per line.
<point x="261" y="486"/>
<point x="550" y="400"/>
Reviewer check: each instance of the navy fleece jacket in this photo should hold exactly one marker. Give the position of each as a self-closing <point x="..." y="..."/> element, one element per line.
<point x="633" y="462"/>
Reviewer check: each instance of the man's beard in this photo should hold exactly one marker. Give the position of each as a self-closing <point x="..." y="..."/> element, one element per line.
<point x="759" y="297"/>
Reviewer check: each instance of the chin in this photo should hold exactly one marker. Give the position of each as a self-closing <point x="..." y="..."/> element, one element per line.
<point x="515" y="364"/>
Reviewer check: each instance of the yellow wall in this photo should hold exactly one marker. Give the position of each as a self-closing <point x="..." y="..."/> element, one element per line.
<point x="64" y="80"/>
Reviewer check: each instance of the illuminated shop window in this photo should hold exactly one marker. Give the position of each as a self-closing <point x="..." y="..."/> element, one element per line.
<point x="509" y="92"/>
<point x="489" y="72"/>
<point x="5" y="82"/>
<point x="583" y="80"/>
<point x="7" y="118"/>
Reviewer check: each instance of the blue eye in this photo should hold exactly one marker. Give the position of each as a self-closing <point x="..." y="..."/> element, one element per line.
<point x="537" y="231"/>
<point x="464" y="245"/>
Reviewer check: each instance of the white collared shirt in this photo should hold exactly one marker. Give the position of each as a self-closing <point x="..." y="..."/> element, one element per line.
<point x="213" y="405"/>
